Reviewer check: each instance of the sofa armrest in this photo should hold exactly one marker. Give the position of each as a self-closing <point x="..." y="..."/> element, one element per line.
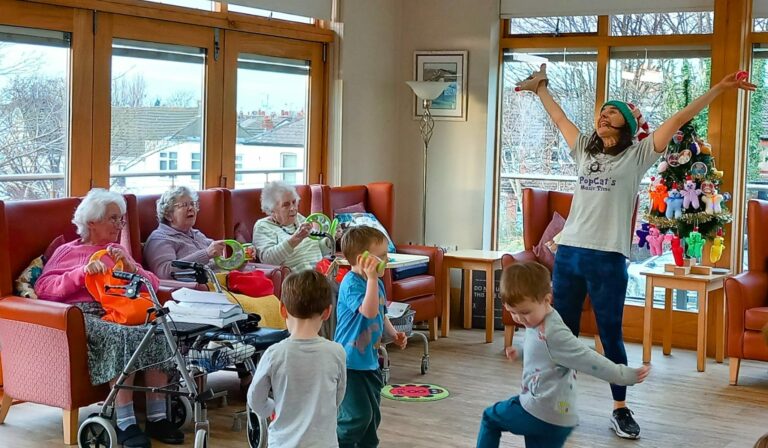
<point x="41" y="317"/>
<point x="744" y="291"/>
<point x="518" y="257"/>
<point x="435" y="255"/>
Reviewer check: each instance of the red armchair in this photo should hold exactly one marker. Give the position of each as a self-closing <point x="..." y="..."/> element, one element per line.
<point x="243" y="208"/>
<point x="212" y="221"/>
<point x="43" y="343"/>
<point x="538" y="207"/>
<point x="422" y="292"/>
<point x="747" y="295"/>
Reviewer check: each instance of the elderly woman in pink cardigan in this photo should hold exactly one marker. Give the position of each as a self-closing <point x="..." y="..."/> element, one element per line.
<point x="175" y="237"/>
<point x="100" y="218"/>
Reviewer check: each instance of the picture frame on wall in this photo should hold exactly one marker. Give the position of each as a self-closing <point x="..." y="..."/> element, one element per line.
<point x="444" y="65"/>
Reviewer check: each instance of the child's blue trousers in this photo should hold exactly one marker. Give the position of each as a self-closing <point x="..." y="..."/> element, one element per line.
<point x="511" y="417"/>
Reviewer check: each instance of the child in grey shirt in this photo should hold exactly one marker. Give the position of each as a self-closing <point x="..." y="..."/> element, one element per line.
<point x="545" y="411"/>
<point x="305" y="373"/>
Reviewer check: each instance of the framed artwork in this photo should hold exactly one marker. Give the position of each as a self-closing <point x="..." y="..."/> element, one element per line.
<point x="450" y="66"/>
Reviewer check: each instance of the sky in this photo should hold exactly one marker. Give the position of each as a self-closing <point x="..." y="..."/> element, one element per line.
<point x="269" y="91"/>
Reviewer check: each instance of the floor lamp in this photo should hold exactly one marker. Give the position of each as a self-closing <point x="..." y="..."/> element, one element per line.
<point x="426" y="91"/>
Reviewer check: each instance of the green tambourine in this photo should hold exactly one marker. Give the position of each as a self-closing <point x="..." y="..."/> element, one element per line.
<point x="233" y="261"/>
<point x="327" y="227"/>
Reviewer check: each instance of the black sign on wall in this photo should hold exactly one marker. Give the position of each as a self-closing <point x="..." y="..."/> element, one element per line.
<point x="478" y="299"/>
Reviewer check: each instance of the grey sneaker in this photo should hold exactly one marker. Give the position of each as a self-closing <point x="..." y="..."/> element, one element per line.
<point x="624" y="424"/>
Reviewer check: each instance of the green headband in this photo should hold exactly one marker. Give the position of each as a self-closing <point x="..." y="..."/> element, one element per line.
<point x="626" y="112"/>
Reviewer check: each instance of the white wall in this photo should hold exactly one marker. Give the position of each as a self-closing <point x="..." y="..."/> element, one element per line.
<point x="457" y="152"/>
<point x="366" y="88"/>
<point x="379" y="138"/>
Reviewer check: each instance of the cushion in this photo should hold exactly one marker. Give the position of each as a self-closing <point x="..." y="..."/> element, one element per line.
<point x="58" y="241"/>
<point x="354" y="208"/>
<point x="347" y="220"/>
<point x="25" y="284"/>
<point x="410" y="271"/>
<point x="545" y="250"/>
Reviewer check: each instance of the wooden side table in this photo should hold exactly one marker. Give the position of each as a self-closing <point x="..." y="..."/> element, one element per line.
<point x="703" y="285"/>
<point x="469" y="260"/>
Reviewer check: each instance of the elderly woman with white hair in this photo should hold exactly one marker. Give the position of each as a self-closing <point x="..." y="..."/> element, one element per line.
<point x="175" y="238"/>
<point x="282" y="237"/>
<point x="100" y="218"/>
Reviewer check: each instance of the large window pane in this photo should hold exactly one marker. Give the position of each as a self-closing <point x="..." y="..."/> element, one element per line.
<point x="760" y="12"/>
<point x="553" y="25"/>
<point x="34" y="113"/>
<point x="272" y="104"/>
<point x="757" y="141"/>
<point x="660" y="82"/>
<point x="533" y="152"/>
<point x="157" y="117"/>
<point x="662" y="23"/>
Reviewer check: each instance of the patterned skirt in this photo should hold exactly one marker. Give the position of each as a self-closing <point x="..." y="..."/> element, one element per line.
<point x="111" y="345"/>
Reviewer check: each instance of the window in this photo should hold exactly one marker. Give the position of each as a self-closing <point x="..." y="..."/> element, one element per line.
<point x="660" y="83"/>
<point x="34" y="113"/>
<point x="553" y="25"/>
<point x="289" y="160"/>
<point x="195" y="165"/>
<point x="757" y="140"/>
<point x="238" y="167"/>
<point x="533" y="153"/>
<point x="157" y="112"/>
<point x="662" y="23"/>
<point x="168" y="161"/>
<point x="270" y="14"/>
<point x="760" y="12"/>
<point x="272" y="100"/>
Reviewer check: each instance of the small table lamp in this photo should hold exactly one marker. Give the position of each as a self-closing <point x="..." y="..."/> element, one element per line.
<point x="427" y="91"/>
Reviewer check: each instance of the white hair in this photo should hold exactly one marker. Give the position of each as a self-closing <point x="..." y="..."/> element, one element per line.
<point x="93" y="207"/>
<point x="273" y="192"/>
<point x="169" y="198"/>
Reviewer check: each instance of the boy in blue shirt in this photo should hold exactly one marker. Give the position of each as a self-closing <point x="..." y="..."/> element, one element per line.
<point x="361" y="320"/>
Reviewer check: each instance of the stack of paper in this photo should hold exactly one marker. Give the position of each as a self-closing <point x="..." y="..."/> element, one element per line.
<point x="203" y="307"/>
<point x="396" y="310"/>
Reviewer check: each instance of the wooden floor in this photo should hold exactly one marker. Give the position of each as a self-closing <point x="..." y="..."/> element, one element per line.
<point x="677" y="406"/>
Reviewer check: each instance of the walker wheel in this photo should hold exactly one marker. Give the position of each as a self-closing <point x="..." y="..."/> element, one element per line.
<point x="257" y="430"/>
<point x="96" y="432"/>
<point x="424" y="364"/>
<point x="180" y="411"/>
<point x="201" y="438"/>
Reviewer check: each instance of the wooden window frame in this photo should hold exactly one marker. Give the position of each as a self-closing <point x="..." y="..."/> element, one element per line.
<point x="318" y="93"/>
<point x="94" y="25"/>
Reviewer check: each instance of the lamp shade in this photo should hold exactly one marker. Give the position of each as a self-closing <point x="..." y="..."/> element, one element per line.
<point x="428" y="90"/>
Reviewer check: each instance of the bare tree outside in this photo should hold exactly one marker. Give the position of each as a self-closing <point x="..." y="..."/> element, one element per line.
<point x="33" y="125"/>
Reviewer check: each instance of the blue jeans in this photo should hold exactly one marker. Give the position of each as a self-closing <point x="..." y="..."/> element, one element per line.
<point x="602" y="275"/>
<point x="511" y="417"/>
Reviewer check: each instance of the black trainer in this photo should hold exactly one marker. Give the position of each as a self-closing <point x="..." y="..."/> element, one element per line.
<point x="624" y="424"/>
<point x="133" y="437"/>
<point x="165" y="431"/>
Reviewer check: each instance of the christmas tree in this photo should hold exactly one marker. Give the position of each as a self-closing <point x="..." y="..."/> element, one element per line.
<point x="685" y="199"/>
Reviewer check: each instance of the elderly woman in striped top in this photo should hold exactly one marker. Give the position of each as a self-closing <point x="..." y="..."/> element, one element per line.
<point x="282" y="238"/>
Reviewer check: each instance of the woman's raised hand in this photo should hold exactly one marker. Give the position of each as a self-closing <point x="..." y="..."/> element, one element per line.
<point x="532" y="82"/>
<point x="738" y="80"/>
<point x="216" y="249"/>
<point x="301" y="232"/>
